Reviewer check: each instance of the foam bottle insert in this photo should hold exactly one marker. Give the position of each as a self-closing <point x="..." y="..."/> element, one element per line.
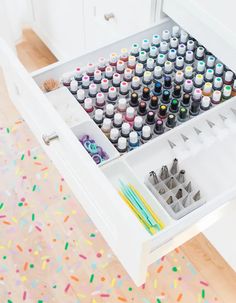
<point x="179" y="207"/>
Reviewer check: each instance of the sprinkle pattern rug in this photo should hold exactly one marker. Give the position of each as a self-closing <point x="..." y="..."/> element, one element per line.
<point x="50" y="251"/>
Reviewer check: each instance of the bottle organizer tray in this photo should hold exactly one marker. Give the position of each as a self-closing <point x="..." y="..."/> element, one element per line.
<point x="175" y="190"/>
<point x="140" y="94"/>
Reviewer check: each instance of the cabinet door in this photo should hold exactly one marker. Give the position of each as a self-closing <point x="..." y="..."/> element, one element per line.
<point x="92" y="189"/>
<point x="211" y="22"/>
<point x="60" y="25"/>
<point x="107" y="21"/>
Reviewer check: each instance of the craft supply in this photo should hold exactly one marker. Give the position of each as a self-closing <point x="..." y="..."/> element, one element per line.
<point x="95" y="151"/>
<point x="174" y="190"/>
<point x="140" y="207"/>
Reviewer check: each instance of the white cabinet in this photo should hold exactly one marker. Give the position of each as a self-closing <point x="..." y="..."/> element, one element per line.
<point x="96" y="186"/>
<point x="60" y="25"/>
<point x="70" y="28"/>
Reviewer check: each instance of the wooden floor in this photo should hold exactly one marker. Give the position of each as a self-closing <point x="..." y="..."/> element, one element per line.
<point x="212" y="267"/>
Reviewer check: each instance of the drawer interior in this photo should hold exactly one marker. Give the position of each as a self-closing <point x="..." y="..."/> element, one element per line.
<point x="207" y="139"/>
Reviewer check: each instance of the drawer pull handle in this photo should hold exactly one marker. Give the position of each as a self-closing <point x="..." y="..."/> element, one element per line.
<point x="109" y="16"/>
<point x="48" y="138"/>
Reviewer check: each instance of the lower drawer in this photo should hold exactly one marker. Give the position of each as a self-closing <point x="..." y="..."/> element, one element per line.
<point x="204" y="146"/>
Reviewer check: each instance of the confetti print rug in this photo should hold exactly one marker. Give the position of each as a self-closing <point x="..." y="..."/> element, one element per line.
<point x="50" y="251"/>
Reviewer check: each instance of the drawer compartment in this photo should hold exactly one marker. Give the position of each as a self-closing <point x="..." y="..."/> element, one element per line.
<point x="198" y="144"/>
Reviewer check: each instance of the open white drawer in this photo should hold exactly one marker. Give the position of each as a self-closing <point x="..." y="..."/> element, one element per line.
<point x="209" y="158"/>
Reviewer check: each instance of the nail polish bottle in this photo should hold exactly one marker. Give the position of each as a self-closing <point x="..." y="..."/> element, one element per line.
<point x="142" y="108"/>
<point x="92" y="90"/>
<point x="116" y="80"/>
<point x="194" y="108"/>
<point x="128" y="74"/>
<point x="172" y="55"/>
<point x="185" y="102"/>
<point x="150" y="119"/>
<point x="124" y="88"/>
<point x="162" y="112"/>
<point x="153" y="105"/>
<point x="125" y="129"/>
<point x="114" y="136"/>
<point x="171" y="121"/>
<point x="78" y="75"/>
<point x="145" y="45"/>
<point x="157" y="89"/>
<point x="112" y="95"/>
<point x="216" y="97"/>
<point x="118" y="120"/>
<point x="228" y="77"/>
<point x="167" y="82"/>
<point x="174" y="106"/>
<point x="179" y="78"/>
<point x="153" y="52"/>
<point x="124" y="54"/>
<point x="161" y="59"/>
<point x="88" y="106"/>
<point x="217" y="83"/>
<point x="97" y="77"/>
<point x="135" y="50"/>
<point x="147" y="78"/>
<point x="219" y="70"/>
<point x="177" y="92"/>
<point x="207" y="89"/>
<point x="100" y="101"/>
<point x="85" y="82"/>
<point x="66" y="79"/>
<point x="198" y="81"/>
<point x="138" y="124"/>
<point x="201" y="66"/>
<point x="109" y="113"/>
<point x="80" y="96"/>
<point x="200" y="53"/>
<point x="130" y="115"/>
<point x="113" y="59"/>
<point x="136" y="84"/>
<point x="122" y="145"/>
<point x="146" y="94"/>
<point x="146" y="134"/>
<point x="131" y="62"/>
<point x="157" y="73"/>
<point x="179" y="64"/>
<point x="101" y="64"/>
<point x="106" y="126"/>
<point x="156" y="39"/>
<point x="133" y="140"/>
<point x="120" y="67"/>
<point x="205" y="103"/>
<point x="165" y="97"/>
<point x="159" y="127"/>
<point x="182" y="115"/>
<point x="104" y="86"/>
<point x="134" y="102"/>
<point x="122" y="105"/>
<point x="98" y="117"/>
<point x="90" y="70"/>
<point x="139" y="70"/>
<point x="227" y="90"/>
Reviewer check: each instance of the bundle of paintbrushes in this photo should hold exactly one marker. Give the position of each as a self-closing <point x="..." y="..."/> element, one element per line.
<point x="140" y="207"/>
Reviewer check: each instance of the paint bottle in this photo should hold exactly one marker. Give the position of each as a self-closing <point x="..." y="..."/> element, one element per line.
<point x="227" y="90"/>
<point x="106" y="126"/>
<point x="139" y="70"/>
<point x="161" y="59"/>
<point x="108" y="72"/>
<point x="146" y="134"/>
<point x="80" y="96"/>
<point x="88" y="106"/>
<point x="85" y="82"/>
<point x="135" y="50"/>
<point x="207" y="89"/>
<point x="159" y="127"/>
<point x="194" y="108"/>
<point x="130" y="115"/>
<point x="153" y="105"/>
<point x="157" y="89"/>
<point x="165" y="97"/>
<point x="145" y="45"/>
<point x="122" y="145"/>
<point x="138" y="124"/>
<point x="198" y="81"/>
<point x="145" y="94"/>
<point x="122" y="105"/>
<point x="219" y="70"/>
<point x="150" y="119"/>
<point x="131" y="62"/>
<point x="124" y="54"/>
<point x="78" y="75"/>
<point x="216" y="97"/>
<point x="120" y="67"/>
<point x="182" y="115"/>
<point x="109" y="113"/>
<point x="153" y="52"/>
<point x="147" y="78"/>
<point x="167" y="82"/>
<point x="128" y="74"/>
<point x="142" y="58"/>
<point x="209" y="74"/>
<point x="90" y="70"/>
<point x="125" y="129"/>
<point x="233" y="94"/>
<point x="200" y="53"/>
<point x="172" y="54"/>
<point x="179" y="78"/>
<point x="205" y="103"/>
<point x="174" y="106"/>
<point x="113" y="60"/>
<point x="97" y="77"/>
<point x="134" y="102"/>
<point x="156" y="40"/>
<point x="124" y="88"/>
<point x="112" y="95"/>
<point x="92" y="90"/>
<point x="66" y="79"/>
<point x="114" y="136"/>
<point x="179" y="64"/>
<point x="136" y="83"/>
<point x="177" y="92"/>
<point x="157" y="73"/>
<point x="217" y="83"/>
<point x="142" y="108"/>
<point x="118" y="120"/>
<point x="116" y="79"/>
<point x="162" y="113"/>
<point x="100" y="101"/>
<point x="98" y="117"/>
<point x="101" y="65"/>
<point x="164" y="48"/>
<point x="133" y="140"/>
<point x="185" y="102"/>
<point x="104" y="86"/>
<point x="228" y="77"/>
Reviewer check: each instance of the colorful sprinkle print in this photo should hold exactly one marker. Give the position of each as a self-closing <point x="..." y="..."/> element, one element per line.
<point x="51" y="252"/>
